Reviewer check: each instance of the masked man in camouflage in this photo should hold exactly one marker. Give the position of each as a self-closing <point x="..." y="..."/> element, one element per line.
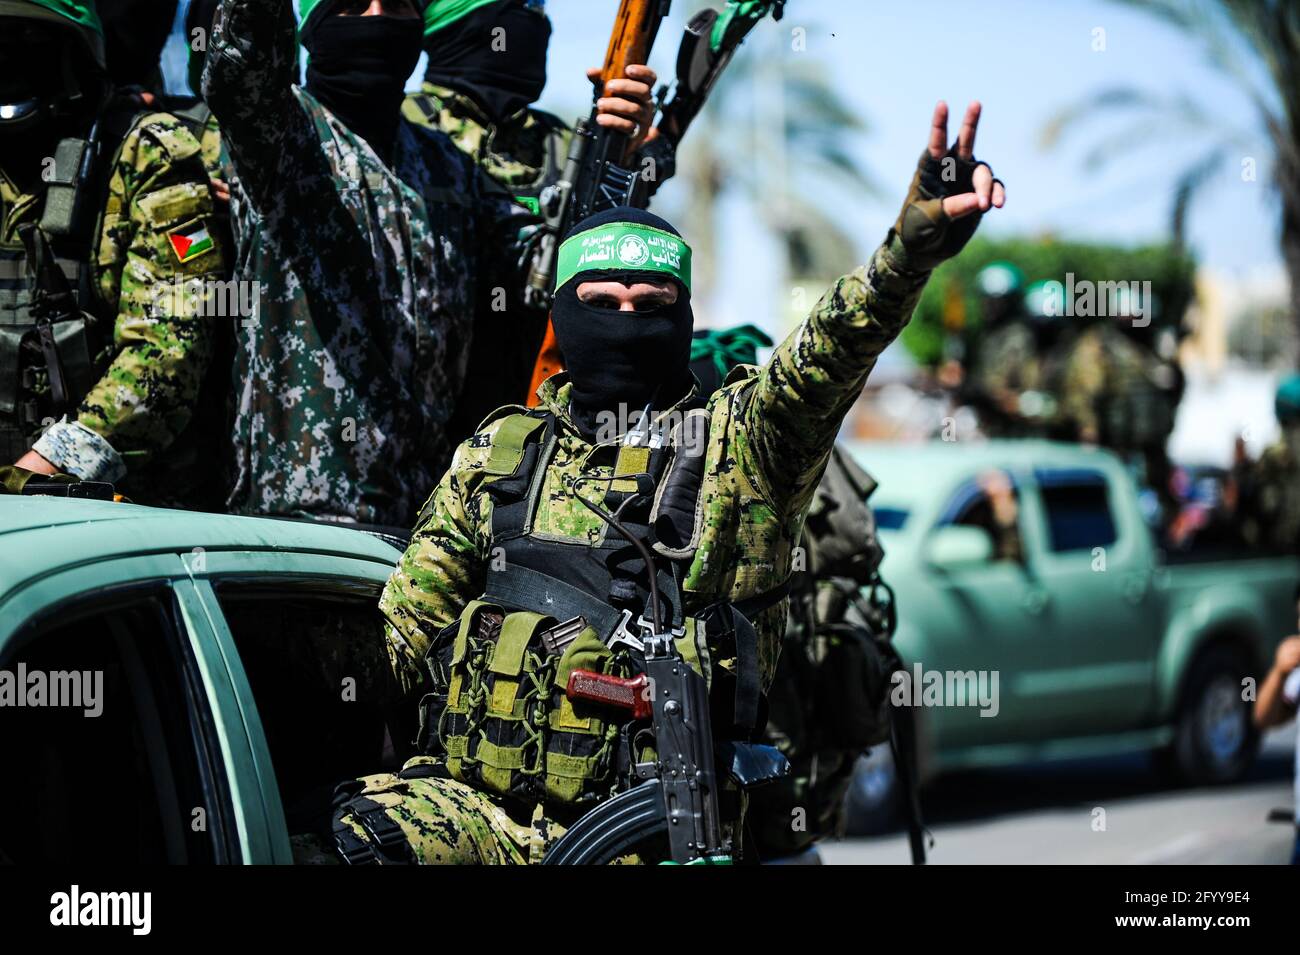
<point x="105" y="248"/>
<point x="511" y="523"/>
<point x="1269" y="488"/>
<point x="486" y="67"/>
<point x="1113" y="392"/>
<point x="360" y="237"/>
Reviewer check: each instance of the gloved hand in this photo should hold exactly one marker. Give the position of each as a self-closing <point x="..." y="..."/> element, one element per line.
<point x="949" y="194"/>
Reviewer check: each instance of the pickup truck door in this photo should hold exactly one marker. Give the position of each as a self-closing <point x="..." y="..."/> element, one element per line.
<point x="987" y="619"/>
<point x="1094" y="666"/>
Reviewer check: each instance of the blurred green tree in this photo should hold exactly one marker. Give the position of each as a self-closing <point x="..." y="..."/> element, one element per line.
<point x="1255" y="44"/>
<point x="949" y="310"/>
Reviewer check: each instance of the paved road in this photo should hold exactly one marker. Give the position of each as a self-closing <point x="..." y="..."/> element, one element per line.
<point x="1046" y="815"/>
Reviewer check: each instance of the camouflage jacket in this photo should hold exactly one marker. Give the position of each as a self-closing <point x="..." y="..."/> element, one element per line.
<point x="512" y="152"/>
<point x="1109" y="390"/>
<point x="522" y="154"/>
<point x="348" y="371"/>
<point x="137" y="424"/>
<point x="1270" y="500"/>
<point x="770" y="434"/>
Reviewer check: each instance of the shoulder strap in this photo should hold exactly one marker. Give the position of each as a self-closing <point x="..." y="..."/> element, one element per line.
<point x="82" y="170"/>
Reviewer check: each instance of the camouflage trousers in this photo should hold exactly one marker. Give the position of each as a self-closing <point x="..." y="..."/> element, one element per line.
<point x="431" y="820"/>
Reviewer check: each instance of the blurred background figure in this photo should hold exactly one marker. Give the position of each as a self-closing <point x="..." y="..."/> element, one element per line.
<point x="1270" y="486"/>
<point x="1007" y="383"/>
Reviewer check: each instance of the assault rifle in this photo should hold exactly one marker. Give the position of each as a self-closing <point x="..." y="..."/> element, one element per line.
<point x="605" y="168"/>
<point x="675" y="794"/>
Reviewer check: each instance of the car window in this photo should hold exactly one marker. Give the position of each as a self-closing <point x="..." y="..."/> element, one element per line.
<point x="317" y="663"/>
<point x="890" y="518"/>
<point x="1078" y="511"/>
<point x="990" y="502"/>
<point x="103" y="742"/>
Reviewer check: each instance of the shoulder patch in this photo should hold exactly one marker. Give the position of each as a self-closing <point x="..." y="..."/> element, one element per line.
<point x="190" y="241"/>
<point x="170" y="134"/>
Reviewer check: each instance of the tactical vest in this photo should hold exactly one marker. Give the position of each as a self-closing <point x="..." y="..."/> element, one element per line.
<point x="55" y="331"/>
<point x="499" y="711"/>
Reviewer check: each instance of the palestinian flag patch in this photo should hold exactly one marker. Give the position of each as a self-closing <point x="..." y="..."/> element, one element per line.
<point x="189" y="242"/>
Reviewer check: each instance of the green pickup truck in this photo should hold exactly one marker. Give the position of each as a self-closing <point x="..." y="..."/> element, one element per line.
<point x="179" y="687"/>
<point x="1040" y="620"/>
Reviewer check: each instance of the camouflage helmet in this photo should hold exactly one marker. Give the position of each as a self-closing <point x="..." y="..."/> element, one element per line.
<point x="1287" y="401"/>
<point x="77" y="15"/>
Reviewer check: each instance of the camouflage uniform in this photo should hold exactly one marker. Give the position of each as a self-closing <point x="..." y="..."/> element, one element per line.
<point x="523" y="154"/>
<point x="1114" y="392"/>
<point x="1007" y="365"/>
<point x="770" y="434"/>
<point x="137" y="424"/>
<point x="349" y="371"/>
<point x="1270" y="499"/>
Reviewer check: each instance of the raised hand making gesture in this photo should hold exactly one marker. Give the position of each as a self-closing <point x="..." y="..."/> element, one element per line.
<point x="949" y="194"/>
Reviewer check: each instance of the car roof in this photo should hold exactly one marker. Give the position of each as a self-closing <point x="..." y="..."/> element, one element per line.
<point x="40" y="535"/>
<point x="905" y="471"/>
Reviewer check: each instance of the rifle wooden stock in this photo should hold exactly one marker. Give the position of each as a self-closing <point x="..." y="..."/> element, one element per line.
<point x="631" y="40"/>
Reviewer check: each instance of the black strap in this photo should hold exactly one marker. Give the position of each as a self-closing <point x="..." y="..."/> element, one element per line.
<point x="753" y="605"/>
<point x="902" y="743"/>
<point x="529" y="589"/>
<point x="387" y="844"/>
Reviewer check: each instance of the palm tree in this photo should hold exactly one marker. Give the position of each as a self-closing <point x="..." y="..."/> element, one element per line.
<point x="773" y="124"/>
<point x="1226" y="29"/>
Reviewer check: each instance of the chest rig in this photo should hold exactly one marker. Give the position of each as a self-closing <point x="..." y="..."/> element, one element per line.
<point x="53" y="326"/>
<point x="503" y="709"/>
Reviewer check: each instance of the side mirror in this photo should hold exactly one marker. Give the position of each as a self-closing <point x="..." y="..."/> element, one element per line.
<point x="954" y="546"/>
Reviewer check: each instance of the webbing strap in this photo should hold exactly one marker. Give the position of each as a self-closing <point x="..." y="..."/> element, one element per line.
<point x="533" y="590"/>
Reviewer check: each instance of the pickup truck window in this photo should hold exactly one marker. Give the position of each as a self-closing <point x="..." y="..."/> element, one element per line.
<point x="991" y="503"/>
<point x="116" y="670"/>
<point x="890" y="518"/>
<point x="316" y="661"/>
<point x="1077" y="506"/>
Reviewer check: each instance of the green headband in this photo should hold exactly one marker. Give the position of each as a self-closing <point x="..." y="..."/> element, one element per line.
<point x="623" y="246"/>
<point x="441" y="13"/>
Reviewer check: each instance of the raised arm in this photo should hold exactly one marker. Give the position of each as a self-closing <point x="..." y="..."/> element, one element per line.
<point x="816" y="374"/>
<point x="252" y="64"/>
<point x="282" y="165"/>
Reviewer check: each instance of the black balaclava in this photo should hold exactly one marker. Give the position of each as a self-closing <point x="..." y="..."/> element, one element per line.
<point x="615" y="358"/>
<point x="135" y="32"/>
<point x="501" y="81"/>
<point x="358" y="68"/>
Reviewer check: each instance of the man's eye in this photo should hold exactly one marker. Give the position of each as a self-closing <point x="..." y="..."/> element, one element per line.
<point x="604" y="301"/>
<point x="649" y="305"/>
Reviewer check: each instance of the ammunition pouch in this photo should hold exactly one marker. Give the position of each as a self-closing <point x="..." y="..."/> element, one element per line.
<point x="505" y="722"/>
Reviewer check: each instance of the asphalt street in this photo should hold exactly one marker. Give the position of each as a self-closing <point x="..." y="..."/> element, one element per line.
<point x="1109" y="811"/>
